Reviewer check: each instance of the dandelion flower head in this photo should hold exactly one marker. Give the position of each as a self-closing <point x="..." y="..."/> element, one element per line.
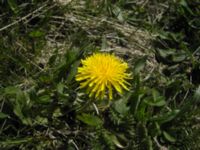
<point x="103" y="73"/>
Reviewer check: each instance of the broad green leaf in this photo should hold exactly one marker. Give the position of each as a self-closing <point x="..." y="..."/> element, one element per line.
<point x="140" y="64"/>
<point x="166" y="117"/>
<point x="36" y="34"/>
<point x="57" y="113"/>
<point x="11" y="90"/>
<point x="71" y="56"/>
<point x="41" y="120"/>
<point x="197" y="95"/>
<point x="121" y="107"/>
<point x="156" y="100"/>
<point x="104" y="43"/>
<point x="22" y="104"/>
<point x="60" y="88"/>
<point x="183" y="3"/>
<point x="3" y="115"/>
<point x="15" y="141"/>
<point x="166" y="53"/>
<point x="45" y="99"/>
<point x="169" y="137"/>
<point x="157" y="103"/>
<point x="118" y="13"/>
<point x="136" y="98"/>
<point x="18" y="112"/>
<point x="116" y="141"/>
<point x="72" y="71"/>
<point x="179" y="57"/>
<point x="90" y="119"/>
<point x="141" y="114"/>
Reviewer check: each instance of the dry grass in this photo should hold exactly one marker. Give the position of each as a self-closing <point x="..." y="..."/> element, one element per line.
<point x="108" y="33"/>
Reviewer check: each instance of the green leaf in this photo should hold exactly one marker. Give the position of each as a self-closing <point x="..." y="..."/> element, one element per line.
<point x="121" y="107"/>
<point x="57" y="113"/>
<point x="197" y="95"/>
<point x="13" y="5"/>
<point x="41" y="120"/>
<point x="154" y="129"/>
<point x="156" y="100"/>
<point x="116" y="141"/>
<point x="90" y="119"/>
<point x="118" y="13"/>
<point x="104" y="43"/>
<point x="11" y="90"/>
<point x="15" y="141"/>
<point x="18" y="112"/>
<point x="140" y="64"/>
<point x="166" y="117"/>
<point x="36" y="34"/>
<point x="179" y="57"/>
<point x="73" y="71"/>
<point x="183" y="3"/>
<point x="158" y="103"/>
<point x="45" y="99"/>
<point x="60" y="88"/>
<point x="166" y="53"/>
<point x="3" y="115"/>
<point x="21" y="104"/>
<point x="71" y="58"/>
<point x="169" y="137"/>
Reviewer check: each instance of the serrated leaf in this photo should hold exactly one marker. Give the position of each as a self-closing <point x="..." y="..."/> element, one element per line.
<point x="90" y="119"/>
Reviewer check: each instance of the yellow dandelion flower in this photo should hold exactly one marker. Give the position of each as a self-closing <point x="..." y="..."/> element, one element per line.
<point x="102" y="72"/>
